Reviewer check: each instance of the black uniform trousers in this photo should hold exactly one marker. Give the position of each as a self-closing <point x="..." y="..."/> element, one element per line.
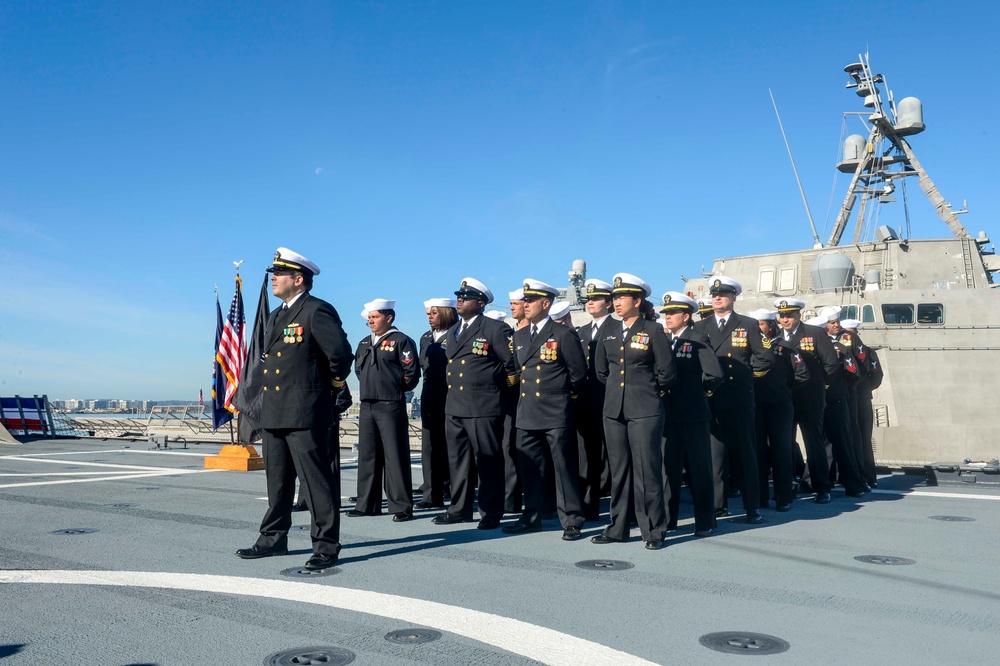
<point x="838" y="431"/>
<point x="314" y="456"/>
<point x="433" y="461"/>
<point x="545" y="454"/>
<point x="866" y="421"/>
<point x="635" y="453"/>
<point x="857" y="446"/>
<point x="809" y="417"/>
<point x="775" y="424"/>
<point x="733" y="431"/>
<point x="691" y="441"/>
<point x="474" y="445"/>
<point x="593" y="457"/>
<point x="512" y="478"/>
<point x="384" y="451"/>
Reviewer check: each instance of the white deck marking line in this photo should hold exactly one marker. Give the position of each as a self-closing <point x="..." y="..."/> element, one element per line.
<point x="532" y="641"/>
<point x="927" y="493"/>
<point x="85" y="464"/>
<point x="33" y="474"/>
<point x="142" y="475"/>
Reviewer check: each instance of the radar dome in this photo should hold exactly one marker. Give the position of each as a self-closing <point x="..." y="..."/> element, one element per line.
<point x="832" y="271"/>
<point x="909" y="116"/>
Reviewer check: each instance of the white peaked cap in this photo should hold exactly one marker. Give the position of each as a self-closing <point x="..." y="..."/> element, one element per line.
<point x="533" y="287"/>
<point x="786" y="304"/>
<point x="291" y="260"/>
<point x="763" y="314"/>
<point x="559" y="309"/>
<point x="476" y="288"/>
<point x="380" y="304"/>
<point x="721" y="282"/>
<point x="441" y="303"/>
<point x="675" y="300"/>
<point x="499" y="315"/>
<point x="626" y="283"/>
<point x="595" y="287"/>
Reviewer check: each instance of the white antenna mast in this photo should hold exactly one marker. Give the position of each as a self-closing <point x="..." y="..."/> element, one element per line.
<point x="805" y="203"/>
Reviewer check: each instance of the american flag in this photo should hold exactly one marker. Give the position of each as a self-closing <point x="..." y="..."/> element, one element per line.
<point x="232" y="350"/>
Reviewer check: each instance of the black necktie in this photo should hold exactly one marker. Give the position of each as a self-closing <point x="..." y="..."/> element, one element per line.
<point x="722" y="323"/>
<point x="593" y="332"/>
<point x="534" y="331"/>
<point x="465" y="327"/>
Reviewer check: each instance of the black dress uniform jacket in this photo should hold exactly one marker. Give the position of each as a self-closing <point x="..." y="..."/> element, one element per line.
<point x="480" y="364"/>
<point x="820" y="358"/>
<point x="698" y="373"/>
<point x="306" y="358"/>
<point x="433" y="365"/>
<point x="741" y="354"/>
<point x="641" y="354"/>
<point x="553" y="371"/>
<point x="389" y="369"/>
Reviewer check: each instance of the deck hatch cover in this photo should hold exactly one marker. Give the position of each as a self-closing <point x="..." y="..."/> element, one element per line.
<point x="884" y="559"/>
<point x="302" y="572"/>
<point x="412" y="636"/>
<point x="743" y="642"/>
<point x="73" y="531"/>
<point x="953" y="519"/>
<point x="323" y="654"/>
<point x="605" y="565"/>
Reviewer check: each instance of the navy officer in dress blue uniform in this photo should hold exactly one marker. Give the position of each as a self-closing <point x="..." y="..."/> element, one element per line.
<point x="687" y="432"/>
<point x="387" y="367"/>
<point x="636" y="366"/>
<point x="306" y="360"/>
<point x="595" y="477"/>
<point x="738" y="345"/>
<point x="553" y="370"/>
<point x="480" y="368"/>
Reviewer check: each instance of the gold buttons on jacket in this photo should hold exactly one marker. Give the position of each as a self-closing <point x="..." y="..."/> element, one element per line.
<point x="524" y="381"/>
<point x="461" y="388"/>
<point x="538" y="367"/>
<point x="279" y="354"/>
<point x="277" y="372"/>
<point x="524" y="367"/>
<point x="621" y="360"/>
<point x="463" y="361"/>
<point x="623" y="383"/>
<point x="524" y="395"/>
<point x="277" y="388"/>
<point x="451" y="360"/>
<point x="461" y="374"/>
<point x="538" y="381"/>
<point x="538" y="395"/>
<point x="265" y="388"/>
<point x="265" y="371"/>
<point x="265" y="355"/>
<point x="621" y="348"/>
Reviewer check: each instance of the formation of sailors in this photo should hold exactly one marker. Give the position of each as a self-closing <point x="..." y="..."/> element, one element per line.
<point x="547" y="418"/>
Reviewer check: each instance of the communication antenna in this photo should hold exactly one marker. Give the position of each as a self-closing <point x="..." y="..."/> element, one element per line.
<point x="805" y="203"/>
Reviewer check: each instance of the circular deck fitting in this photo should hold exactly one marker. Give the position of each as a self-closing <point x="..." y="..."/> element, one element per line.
<point x="953" y="519"/>
<point x="148" y="488"/>
<point x="73" y="531"/>
<point x="329" y="656"/>
<point x="302" y="572"/>
<point x="743" y="642"/>
<point x="605" y="565"/>
<point x="120" y="506"/>
<point x="299" y="528"/>
<point x="884" y="559"/>
<point x="412" y="636"/>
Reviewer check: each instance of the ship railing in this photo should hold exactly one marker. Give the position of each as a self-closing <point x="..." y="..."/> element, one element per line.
<point x="881" y="415"/>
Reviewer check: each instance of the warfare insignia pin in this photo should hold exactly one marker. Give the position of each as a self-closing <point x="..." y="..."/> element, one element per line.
<point x="618" y="281"/>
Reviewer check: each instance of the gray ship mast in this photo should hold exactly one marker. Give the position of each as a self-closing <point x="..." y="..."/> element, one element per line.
<point x="872" y="177"/>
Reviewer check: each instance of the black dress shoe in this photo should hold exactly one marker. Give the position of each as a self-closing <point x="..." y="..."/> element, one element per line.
<point x="721" y="513"/>
<point x="754" y="517"/>
<point x="707" y="532"/>
<point x="427" y="505"/>
<point x="402" y="516"/>
<point x="521" y="526"/>
<point x="488" y="524"/>
<point x="823" y="497"/>
<point x="299" y="506"/>
<point x="603" y="539"/>
<point x="804" y="488"/>
<point x="320" y="561"/>
<point x="654" y="544"/>
<point x="572" y="534"/>
<point x="873" y="484"/>
<point x="783" y="507"/>
<point x="448" y="519"/>
<point x="856" y="493"/>
<point x="354" y="513"/>
<point x="257" y="551"/>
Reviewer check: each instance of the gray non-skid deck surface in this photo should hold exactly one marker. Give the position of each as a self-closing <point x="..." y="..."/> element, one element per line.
<point x="795" y="577"/>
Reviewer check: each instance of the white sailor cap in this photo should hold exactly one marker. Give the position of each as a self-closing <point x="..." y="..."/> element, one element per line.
<point x="285" y="259"/>
<point x="516" y="295"/>
<point x="675" y="300"/>
<point x="816" y="321"/>
<point x="539" y="289"/>
<point x="499" y="315"/>
<point x="559" y="309"/>
<point x="441" y="303"/>
<point x="364" y="314"/>
<point x="721" y="284"/>
<point x="763" y="314"/>
<point x="788" y="304"/>
<point x="598" y="288"/>
<point x="380" y="304"/>
<point x="471" y="287"/>
<point x="626" y="283"/>
<point x="830" y="313"/>
<point x="705" y="305"/>
<point x="850" y="323"/>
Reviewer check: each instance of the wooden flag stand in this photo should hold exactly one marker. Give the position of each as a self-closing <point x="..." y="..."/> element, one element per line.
<point x="235" y="457"/>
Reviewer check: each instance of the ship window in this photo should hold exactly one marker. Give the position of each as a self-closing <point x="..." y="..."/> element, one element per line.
<point x="930" y="313"/>
<point x="868" y="313"/>
<point x="893" y="313"/>
<point x="786" y="279"/>
<point x="765" y="280"/>
<point x="849" y="312"/>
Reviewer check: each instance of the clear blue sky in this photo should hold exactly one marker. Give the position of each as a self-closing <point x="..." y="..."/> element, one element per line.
<point x="402" y="146"/>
